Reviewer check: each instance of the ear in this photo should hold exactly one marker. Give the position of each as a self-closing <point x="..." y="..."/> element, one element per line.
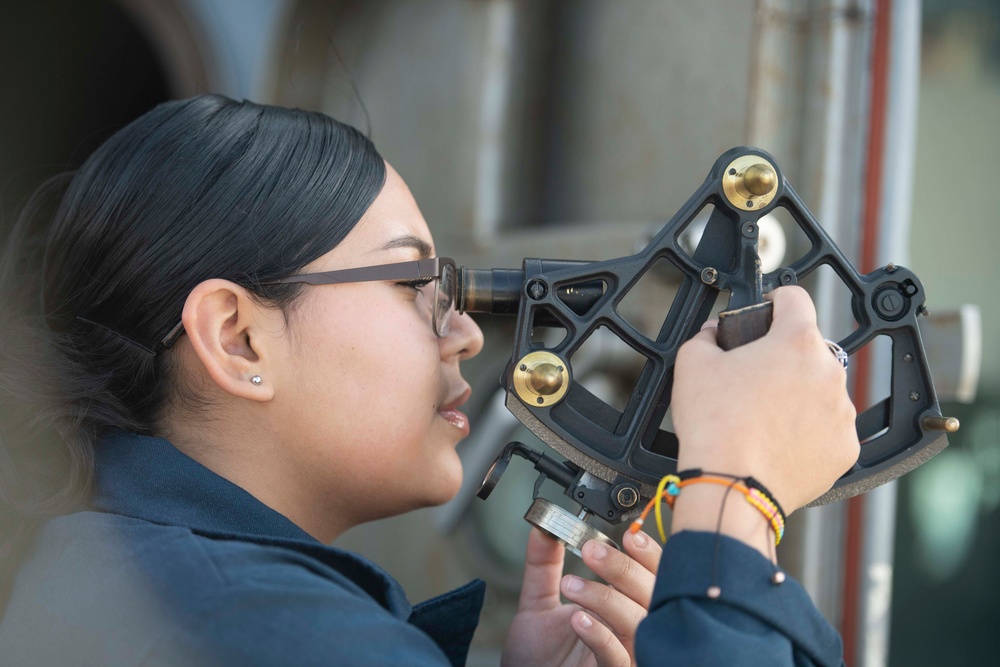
<point x="227" y="330"/>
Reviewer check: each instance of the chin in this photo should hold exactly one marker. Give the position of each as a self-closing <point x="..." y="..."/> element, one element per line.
<point x="447" y="482"/>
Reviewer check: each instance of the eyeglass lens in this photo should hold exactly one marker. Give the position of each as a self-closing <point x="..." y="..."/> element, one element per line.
<point x="444" y="300"/>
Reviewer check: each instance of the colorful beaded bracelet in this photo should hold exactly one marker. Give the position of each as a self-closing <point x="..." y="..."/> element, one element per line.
<point x="755" y="493"/>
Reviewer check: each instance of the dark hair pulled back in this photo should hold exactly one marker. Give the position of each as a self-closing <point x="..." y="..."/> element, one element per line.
<point x="194" y="189"/>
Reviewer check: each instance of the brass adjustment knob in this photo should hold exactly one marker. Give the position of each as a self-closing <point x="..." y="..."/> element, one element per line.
<point x="760" y="179"/>
<point x="541" y="379"/>
<point x="750" y="182"/>
<point x="545" y="379"/>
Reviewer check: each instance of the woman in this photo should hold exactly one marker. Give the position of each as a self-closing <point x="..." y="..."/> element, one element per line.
<point x="254" y="352"/>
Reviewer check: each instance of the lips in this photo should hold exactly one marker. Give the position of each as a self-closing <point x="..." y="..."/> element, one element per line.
<point x="450" y="411"/>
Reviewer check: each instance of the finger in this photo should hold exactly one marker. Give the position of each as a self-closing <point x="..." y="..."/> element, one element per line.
<point x="608" y="649"/>
<point x="620" y="570"/>
<point x="621" y="613"/>
<point x="796" y="307"/>
<point x="543" y="566"/>
<point x="645" y="550"/>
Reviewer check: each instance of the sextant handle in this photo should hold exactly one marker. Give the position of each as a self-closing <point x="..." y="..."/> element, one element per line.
<point x="744" y="325"/>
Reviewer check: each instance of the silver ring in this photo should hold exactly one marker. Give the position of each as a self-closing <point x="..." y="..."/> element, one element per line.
<point x="837" y="352"/>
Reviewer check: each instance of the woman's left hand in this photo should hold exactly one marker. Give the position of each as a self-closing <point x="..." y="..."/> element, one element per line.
<point x="599" y="629"/>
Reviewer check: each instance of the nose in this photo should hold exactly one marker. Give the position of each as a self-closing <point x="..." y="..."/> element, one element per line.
<point x="464" y="339"/>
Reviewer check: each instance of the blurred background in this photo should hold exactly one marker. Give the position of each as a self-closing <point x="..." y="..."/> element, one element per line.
<point x="576" y="128"/>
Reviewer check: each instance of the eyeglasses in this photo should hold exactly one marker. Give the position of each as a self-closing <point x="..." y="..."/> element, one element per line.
<point x="420" y="274"/>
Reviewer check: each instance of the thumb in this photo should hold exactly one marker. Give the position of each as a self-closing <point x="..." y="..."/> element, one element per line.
<point x="792" y="307"/>
<point x="543" y="567"/>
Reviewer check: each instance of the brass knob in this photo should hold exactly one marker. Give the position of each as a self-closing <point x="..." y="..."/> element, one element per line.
<point x="546" y="379"/>
<point x="760" y="179"/>
<point x="750" y="182"/>
<point x="541" y="379"/>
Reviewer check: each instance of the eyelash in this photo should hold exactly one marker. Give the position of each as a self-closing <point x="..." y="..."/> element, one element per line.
<point x="416" y="284"/>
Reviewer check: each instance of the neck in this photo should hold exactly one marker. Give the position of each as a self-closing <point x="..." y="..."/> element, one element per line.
<point x="246" y="454"/>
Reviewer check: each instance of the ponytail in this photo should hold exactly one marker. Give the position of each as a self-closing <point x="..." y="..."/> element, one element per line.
<point x="45" y="457"/>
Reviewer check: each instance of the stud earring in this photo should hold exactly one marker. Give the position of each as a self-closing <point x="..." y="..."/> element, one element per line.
<point x="256" y="379"/>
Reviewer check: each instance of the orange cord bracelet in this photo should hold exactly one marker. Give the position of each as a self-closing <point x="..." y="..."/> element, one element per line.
<point x="670" y="486"/>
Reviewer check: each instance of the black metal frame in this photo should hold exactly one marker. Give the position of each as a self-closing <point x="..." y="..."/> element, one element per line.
<point x="628" y="447"/>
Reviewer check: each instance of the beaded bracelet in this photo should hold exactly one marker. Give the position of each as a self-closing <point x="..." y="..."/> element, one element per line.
<point x="755" y="493"/>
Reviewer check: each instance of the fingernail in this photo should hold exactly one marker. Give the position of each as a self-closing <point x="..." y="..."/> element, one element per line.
<point x="585" y="621"/>
<point x="639" y="539"/>
<point x="598" y="551"/>
<point x="572" y="584"/>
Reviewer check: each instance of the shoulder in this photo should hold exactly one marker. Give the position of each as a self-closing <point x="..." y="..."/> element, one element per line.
<point x="126" y="591"/>
<point x="270" y="605"/>
<point x="172" y="560"/>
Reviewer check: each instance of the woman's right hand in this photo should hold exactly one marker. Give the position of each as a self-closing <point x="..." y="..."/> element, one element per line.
<point x="776" y="409"/>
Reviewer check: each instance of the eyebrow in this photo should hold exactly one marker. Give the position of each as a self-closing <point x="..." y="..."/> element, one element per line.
<point x="414" y="242"/>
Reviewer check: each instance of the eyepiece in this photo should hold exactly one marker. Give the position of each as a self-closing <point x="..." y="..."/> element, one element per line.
<point x="499" y="291"/>
<point x="493" y="291"/>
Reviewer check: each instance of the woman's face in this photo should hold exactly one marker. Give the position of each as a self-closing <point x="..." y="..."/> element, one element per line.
<point x="367" y="397"/>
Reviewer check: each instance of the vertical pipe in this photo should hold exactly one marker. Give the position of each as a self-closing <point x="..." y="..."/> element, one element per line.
<point x="829" y="164"/>
<point x="901" y="135"/>
<point x="493" y="118"/>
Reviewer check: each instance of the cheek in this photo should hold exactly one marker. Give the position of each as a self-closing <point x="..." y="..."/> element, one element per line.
<point x="371" y="375"/>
